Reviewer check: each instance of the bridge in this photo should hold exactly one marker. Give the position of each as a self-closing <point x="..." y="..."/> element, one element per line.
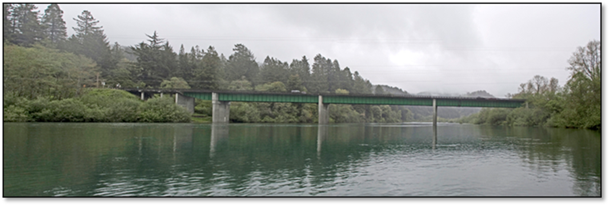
<point x="221" y="100"/>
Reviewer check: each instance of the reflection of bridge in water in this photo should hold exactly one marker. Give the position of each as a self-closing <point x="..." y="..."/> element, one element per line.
<point x="221" y="100"/>
<point x="220" y="133"/>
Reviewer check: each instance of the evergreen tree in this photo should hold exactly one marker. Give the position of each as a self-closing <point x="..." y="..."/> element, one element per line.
<point x="207" y="74"/>
<point x="26" y="27"/>
<point x="274" y="70"/>
<point x="55" y="26"/>
<point x="184" y="70"/>
<point x="8" y="23"/>
<point x="91" y="42"/>
<point x="320" y="75"/>
<point x="241" y="63"/>
<point x="86" y="25"/>
<point x="156" y="60"/>
<point x="302" y="69"/>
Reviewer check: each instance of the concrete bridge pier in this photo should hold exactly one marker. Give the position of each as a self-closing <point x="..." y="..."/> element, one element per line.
<point x="142" y="96"/>
<point x="435" y="106"/>
<point x="220" y="110"/>
<point x="187" y="102"/>
<point x="322" y="111"/>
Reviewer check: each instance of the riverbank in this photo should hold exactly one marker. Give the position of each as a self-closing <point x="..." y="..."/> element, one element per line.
<point x="94" y="105"/>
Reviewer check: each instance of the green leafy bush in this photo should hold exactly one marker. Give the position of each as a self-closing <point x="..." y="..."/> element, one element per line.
<point x="162" y="110"/>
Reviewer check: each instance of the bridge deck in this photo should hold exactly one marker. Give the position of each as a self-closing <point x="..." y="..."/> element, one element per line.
<point x="241" y="96"/>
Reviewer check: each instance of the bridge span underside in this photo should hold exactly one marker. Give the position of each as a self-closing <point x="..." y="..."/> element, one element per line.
<point x="221" y="100"/>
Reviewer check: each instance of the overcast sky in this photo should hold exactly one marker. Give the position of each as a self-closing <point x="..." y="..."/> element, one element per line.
<point x="454" y="48"/>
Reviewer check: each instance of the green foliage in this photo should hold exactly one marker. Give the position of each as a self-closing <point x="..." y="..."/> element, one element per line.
<point x="203" y="107"/>
<point x="578" y="106"/>
<point x="95" y="105"/>
<point x="55" y="26"/>
<point x="25" y="28"/>
<point x="241" y="64"/>
<point x="341" y="113"/>
<point x="341" y="91"/>
<point x="162" y="110"/>
<point x="39" y="71"/>
<point x="271" y="87"/>
<point x="379" y="90"/>
<point x="175" y="83"/>
<point x="243" y="112"/>
<point x="120" y="106"/>
<point x="240" y="85"/>
<point x="274" y="70"/>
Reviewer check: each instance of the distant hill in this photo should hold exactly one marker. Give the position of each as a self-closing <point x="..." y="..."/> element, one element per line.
<point x="480" y="93"/>
<point x="438" y="94"/>
<point x="392" y="90"/>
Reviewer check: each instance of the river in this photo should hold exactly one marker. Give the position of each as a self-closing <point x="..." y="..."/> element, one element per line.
<point x="409" y="159"/>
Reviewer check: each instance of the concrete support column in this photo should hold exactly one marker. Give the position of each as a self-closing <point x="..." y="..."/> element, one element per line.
<point x="187" y="102"/>
<point x="322" y="111"/>
<point x="435" y="112"/>
<point x="161" y="95"/>
<point x="220" y="110"/>
<point x="142" y="95"/>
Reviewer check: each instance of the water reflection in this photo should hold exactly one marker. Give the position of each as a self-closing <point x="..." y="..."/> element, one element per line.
<point x="248" y="159"/>
<point x="220" y="131"/>
<point x="434" y="127"/>
<point x="322" y="132"/>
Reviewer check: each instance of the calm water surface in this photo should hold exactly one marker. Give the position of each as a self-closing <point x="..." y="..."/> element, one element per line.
<point x="96" y="159"/>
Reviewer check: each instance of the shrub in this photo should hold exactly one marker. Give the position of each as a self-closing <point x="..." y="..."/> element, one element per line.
<point x="14" y="113"/>
<point x="162" y="110"/>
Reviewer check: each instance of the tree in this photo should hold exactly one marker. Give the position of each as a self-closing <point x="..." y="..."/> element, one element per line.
<point x="184" y="67"/>
<point x="241" y="64"/>
<point x="8" y="23"/>
<point x="379" y="90"/>
<point x="91" y="42"/>
<point x="86" y="24"/>
<point x="295" y="83"/>
<point x="43" y="72"/>
<point x="320" y="74"/>
<point x="156" y="60"/>
<point x="301" y="69"/>
<point x="274" y="70"/>
<point x="582" y="105"/>
<point x="587" y="61"/>
<point x="55" y="26"/>
<point x="361" y="86"/>
<point x="206" y="75"/>
<point x="175" y="83"/>
<point x="26" y="26"/>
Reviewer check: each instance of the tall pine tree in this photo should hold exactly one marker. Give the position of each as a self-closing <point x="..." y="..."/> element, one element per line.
<point x="26" y="28"/>
<point x="55" y="26"/>
<point x="241" y="64"/>
<point x="91" y="42"/>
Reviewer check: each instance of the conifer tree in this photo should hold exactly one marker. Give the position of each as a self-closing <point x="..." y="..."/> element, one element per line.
<point x="241" y="63"/>
<point x="26" y="27"/>
<point x="91" y="42"/>
<point x="55" y="26"/>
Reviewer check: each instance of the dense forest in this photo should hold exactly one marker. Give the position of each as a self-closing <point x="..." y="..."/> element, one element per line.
<point x="49" y="76"/>
<point x="43" y="65"/>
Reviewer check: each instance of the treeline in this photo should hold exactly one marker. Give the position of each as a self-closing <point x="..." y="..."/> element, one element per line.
<point x="41" y="61"/>
<point x="576" y="105"/>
